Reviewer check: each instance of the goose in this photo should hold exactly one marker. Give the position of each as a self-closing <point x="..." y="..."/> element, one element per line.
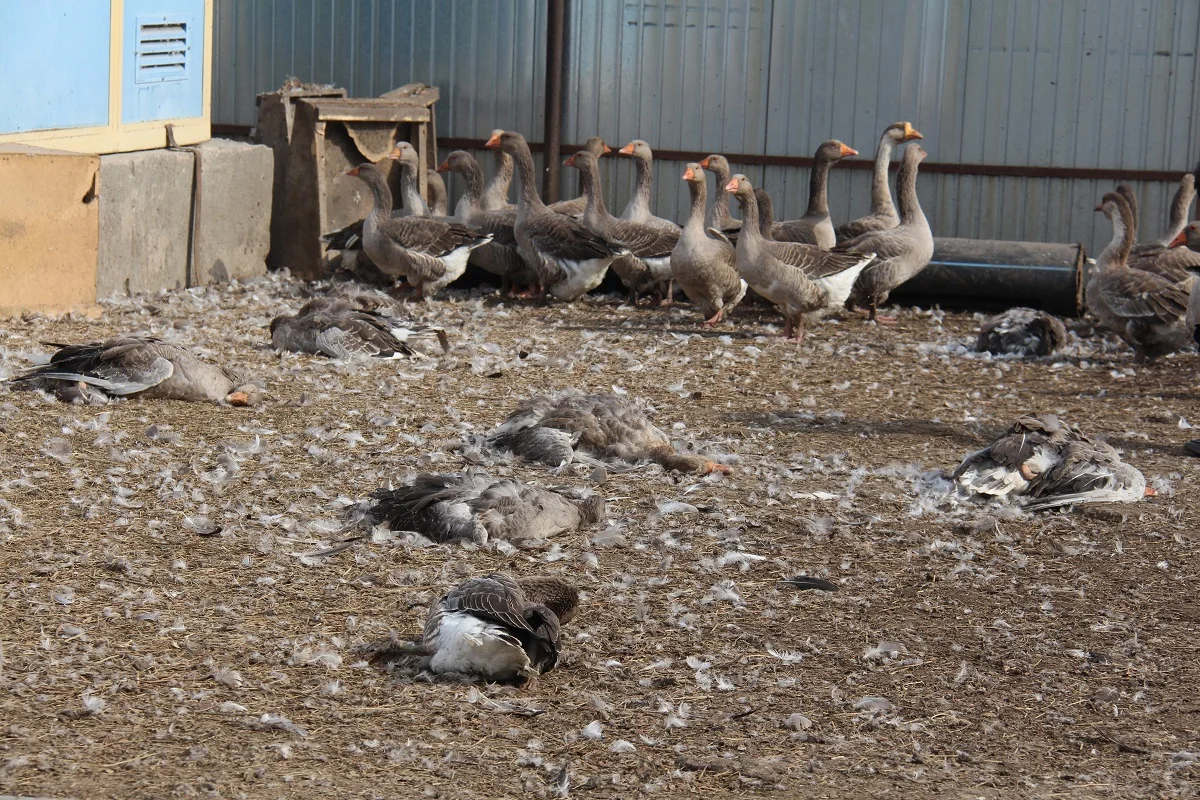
<point x="1145" y="309"/>
<point x="476" y="507"/>
<point x="638" y="207"/>
<point x="605" y="427"/>
<point x="1021" y="332"/>
<point x="766" y="214"/>
<point x="438" y="203"/>
<point x="1050" y="463"/>
<point x="803" y="281"/>
<point x="704" y="266"/>
<point x="900" y="252"/>
<point x="429" y="253"/>
<point x="500" y="256"/>
<point x="1156" y="256"/>
<point x="495" y="196"/>
<point x="337" y="330"/>
<point x="575" y="207"/>
<point x="883" y="214"/>
<point x="718" y="216"/>
<point x="647" y="266"/>
<point x="497" y="628"/>
<point x="140" y="366"/>
<point x="1189" y="237"/>
<point x="569" y="259"/>
<point x="815" y="227"/>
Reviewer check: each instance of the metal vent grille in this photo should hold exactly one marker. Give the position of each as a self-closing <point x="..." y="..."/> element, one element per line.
<point x="163" y="53"/>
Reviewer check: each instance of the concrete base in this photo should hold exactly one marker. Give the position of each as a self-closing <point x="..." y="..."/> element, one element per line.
<point x="49" y="224"/>
<point x="234" y="226"/>
<point x="146" y="217"/>
<point x="145" y="221"/>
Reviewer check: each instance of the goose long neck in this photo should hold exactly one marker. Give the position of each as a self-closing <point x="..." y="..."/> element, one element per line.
<point x="645" y="181"/>
<point x="529" y="197"/>
<point x="881" y="195"/>
<point x="719" y="213"/>
<point x="589" y="178"/>
<point x="818" y="188"/>
<point x="380" y="193"/>
<point x="699" y="192"/>
<point x="410" y="191"/>
<point x="473" y="175"/>
<point x="1117" y="251"/>
<point x="906" y="191"/>
<point x="1179" y="208"/>
<point x="497" y="190"/>
<point x="750" y="233"/>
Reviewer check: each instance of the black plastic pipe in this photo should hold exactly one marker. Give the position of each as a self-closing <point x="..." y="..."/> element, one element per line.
<point x="555" y="34"/>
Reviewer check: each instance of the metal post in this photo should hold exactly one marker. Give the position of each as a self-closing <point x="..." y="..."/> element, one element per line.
<point x="555" y="34"/>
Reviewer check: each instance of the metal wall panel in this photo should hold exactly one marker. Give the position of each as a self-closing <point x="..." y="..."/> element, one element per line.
<point x="1107" y="84"/>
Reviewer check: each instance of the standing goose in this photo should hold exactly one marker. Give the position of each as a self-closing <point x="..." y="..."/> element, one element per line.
<point x="497" y="628"/>
<point x="1145" y="309"/>
<point x="429" y="253"/>
<point x="495" y="196"/>
<point x="638" y="207"/>
<point x="647" y="265"/>
<point x="605" y="427"/>
<point x="499" y="256"/>
<point x="476" y="507"/>
<point x="704" y="266"/>
<point x="569" y="259"/>
<point x="139" y="366"/>
<point x="808" y="284"/>
<point x="718" y="216"/>
<point x="883" y="214"/>
<point x="574" y="208"/>
<point x="900" y="252"/>
<point x="815" y="227"/>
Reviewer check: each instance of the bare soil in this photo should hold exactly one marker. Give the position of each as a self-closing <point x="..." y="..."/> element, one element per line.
<point x="972" y="650"/>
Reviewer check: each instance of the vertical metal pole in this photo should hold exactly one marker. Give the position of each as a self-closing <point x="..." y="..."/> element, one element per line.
<point x="552" y="136"/>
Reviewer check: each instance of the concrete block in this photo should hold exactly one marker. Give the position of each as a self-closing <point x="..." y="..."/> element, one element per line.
<point x="233" y="229"/>
<point x="145" y="221"/>
<point x="49" y="228"/>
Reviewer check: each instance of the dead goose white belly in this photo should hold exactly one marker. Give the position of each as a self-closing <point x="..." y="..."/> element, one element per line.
<point x="469" y="645"/>
<point x="581" y="277"/>
<point x="989" y="478"/>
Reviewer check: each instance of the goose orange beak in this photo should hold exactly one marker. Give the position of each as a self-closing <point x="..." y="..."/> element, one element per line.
<point x="493" y="142"/>
<point x="607" y="149"/>
<point x="627" y="150"/>
<point x="1151" y="492"/>
<point x="688" y="175"/>
<point x="570" y="162"/>
<point x="395" y="154"/>
<point x="1179" y="240"/>
<point x="847" y="150"/>
<point x="238" y="399"/>
<point x="352" y="171"/>
<point x="911" y="133"/>
<point x="732" y="186"/>
<point x="704" y="163"/>
<point x="1099" y="207"/>
<point x="444" y="166"/>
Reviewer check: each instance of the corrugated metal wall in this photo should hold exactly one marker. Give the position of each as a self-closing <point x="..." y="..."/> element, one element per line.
<point x="1106" y="84"/>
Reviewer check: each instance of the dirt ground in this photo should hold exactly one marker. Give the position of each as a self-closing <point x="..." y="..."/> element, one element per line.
<point x="972" y="651"/>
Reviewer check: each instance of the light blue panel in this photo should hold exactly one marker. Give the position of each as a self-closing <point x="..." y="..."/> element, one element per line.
<point x="163" y="72"/>
<point x="40" y="88"/>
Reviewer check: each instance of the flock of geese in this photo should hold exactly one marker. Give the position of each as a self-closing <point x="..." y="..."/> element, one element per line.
<point x="501" y="628"/>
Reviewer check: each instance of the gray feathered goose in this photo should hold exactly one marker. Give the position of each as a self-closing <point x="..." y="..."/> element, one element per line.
<point x="140" y="366"/>
<point x="1049" y="463"/>
<point x="497" y="628"/>
<point x="900" y="252"/>
<point x="569" y="259"/>
<point x="336" y="329"/>
<point x="638" y="207"/>
<point x="1159" y="257"/>
<point x="883" y="213"/>
<point x="718" y="217"/>
<point x="591" y="428"/>
<point x="574" y="207"/>
<point x="474" y="506"/>
<point x="429" y="253"/>
<point x="1190" y="237"/>
<point x="1145" y="309"/>
<point x="647" y="266"/>
<point x="803" y="281"/>
<point x="1021" y="332"/>
<point x="815" y="227"/>
<point x="439" y="204"/>
<point x="495" y="196"/>
<point x="704" y="266"/>
<point x="766" y="213"/>
<point x="500" y="256"/>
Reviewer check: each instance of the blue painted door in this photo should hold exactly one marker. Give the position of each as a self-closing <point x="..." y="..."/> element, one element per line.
<point x="163" y="60"/>
<point x="53" y="64"/>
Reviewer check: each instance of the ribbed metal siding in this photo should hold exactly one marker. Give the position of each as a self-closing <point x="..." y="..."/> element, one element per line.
<point x="1076" y="83"/>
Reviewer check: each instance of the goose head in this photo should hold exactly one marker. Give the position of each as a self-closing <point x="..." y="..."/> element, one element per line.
<point x="900" y="132"/>
<point x="596" y="146"/>
<point x="716" y="163"/>
<point x="637" y="149"/>
<point x="740" y="187"/>
<point x="693" y="173"/>
<point x="834" y="150"/>
<point x="406" y="154"/>
<point x="1189" y="237"/>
